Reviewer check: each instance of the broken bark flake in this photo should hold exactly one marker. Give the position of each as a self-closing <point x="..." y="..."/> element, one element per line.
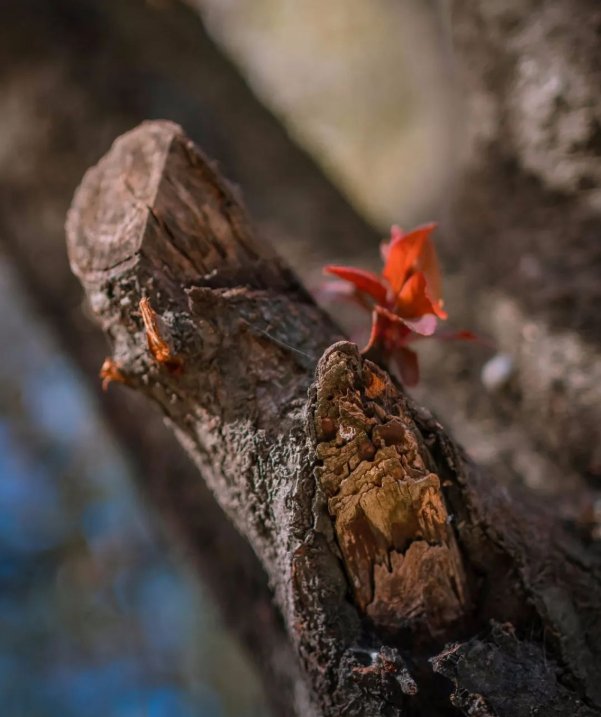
<point x="109" y="373"/>
<point x="156" y="336"/>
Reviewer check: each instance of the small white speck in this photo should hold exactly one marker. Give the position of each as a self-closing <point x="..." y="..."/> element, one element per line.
<point x="497" y="371"/>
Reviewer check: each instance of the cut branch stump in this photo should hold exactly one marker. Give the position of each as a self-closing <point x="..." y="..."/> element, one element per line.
<point x="408" y="583"/>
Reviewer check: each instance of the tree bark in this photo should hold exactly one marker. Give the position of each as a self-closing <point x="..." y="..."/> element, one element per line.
<point x="408" y="583"/>
<point x="525" y="218"/>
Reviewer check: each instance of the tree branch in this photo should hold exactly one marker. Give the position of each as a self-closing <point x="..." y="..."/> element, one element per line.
<point x="382" y="542"/>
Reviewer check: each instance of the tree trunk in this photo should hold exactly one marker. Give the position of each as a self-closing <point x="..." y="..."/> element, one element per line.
<point x="408" y="583"/>
<point x="526" y="218"/>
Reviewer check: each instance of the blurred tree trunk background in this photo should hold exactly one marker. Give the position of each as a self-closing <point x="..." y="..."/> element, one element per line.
<point x="485" y="115"/>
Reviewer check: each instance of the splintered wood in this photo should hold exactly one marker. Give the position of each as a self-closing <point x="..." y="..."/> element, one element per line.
<point x="390" y="519"/>
<point x="157" y="345"/>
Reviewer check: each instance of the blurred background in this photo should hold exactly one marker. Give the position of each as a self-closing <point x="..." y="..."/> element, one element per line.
<point x="336" y="119"/>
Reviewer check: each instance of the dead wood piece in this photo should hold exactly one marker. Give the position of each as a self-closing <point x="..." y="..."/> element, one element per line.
<point x="381" y="541"/>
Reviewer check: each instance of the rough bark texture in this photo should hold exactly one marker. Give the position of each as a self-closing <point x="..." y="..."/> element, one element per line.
<point x="526" y="217"/>
<point x="408" y="582"/>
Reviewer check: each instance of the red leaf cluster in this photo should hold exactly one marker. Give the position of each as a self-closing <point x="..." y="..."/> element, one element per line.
<point x="405" y="299"/>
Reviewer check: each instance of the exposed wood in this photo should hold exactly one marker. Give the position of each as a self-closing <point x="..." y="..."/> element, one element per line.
<point x="390" y="520"/>
<point x="381" y="540"/>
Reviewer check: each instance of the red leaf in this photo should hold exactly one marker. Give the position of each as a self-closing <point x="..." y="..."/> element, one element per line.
<point x="363" y="280"/>
<point x="424" y="325"/>
<point x="404" y="252"/>
<point x="462" y="335"/>
<point x="412" y="300"/>
<point x="328" y="291"/>
<point x="377" y="327"/>
<point x="407" y="298"/>
<point x="427" y="262"/>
